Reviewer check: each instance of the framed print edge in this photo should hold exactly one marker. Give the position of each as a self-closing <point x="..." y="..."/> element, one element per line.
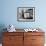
<point x="25" y="19"/>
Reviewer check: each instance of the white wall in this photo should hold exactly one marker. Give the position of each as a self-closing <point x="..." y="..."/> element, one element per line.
<point x="8" y="13"/>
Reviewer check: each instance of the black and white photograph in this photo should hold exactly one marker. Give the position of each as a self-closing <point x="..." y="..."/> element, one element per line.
<point x="26" y="14"/>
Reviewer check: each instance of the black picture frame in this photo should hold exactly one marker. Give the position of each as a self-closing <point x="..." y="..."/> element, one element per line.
<point x="26" y="14"/>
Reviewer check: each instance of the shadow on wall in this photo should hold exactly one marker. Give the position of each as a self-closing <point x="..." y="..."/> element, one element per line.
<point x="2" y="26"/>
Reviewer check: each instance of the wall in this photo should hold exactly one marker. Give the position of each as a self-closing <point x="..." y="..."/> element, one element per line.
<point x="8" y="13"/>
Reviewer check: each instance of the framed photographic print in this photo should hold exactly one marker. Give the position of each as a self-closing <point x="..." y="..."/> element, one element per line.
<point x="26" y="14"/>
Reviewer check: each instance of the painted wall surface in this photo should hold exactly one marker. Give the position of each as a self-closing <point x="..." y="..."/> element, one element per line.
<point x="8" y="13"/>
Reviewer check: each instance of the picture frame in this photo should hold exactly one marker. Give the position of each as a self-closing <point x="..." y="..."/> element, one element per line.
<point x="26" y="14"/>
